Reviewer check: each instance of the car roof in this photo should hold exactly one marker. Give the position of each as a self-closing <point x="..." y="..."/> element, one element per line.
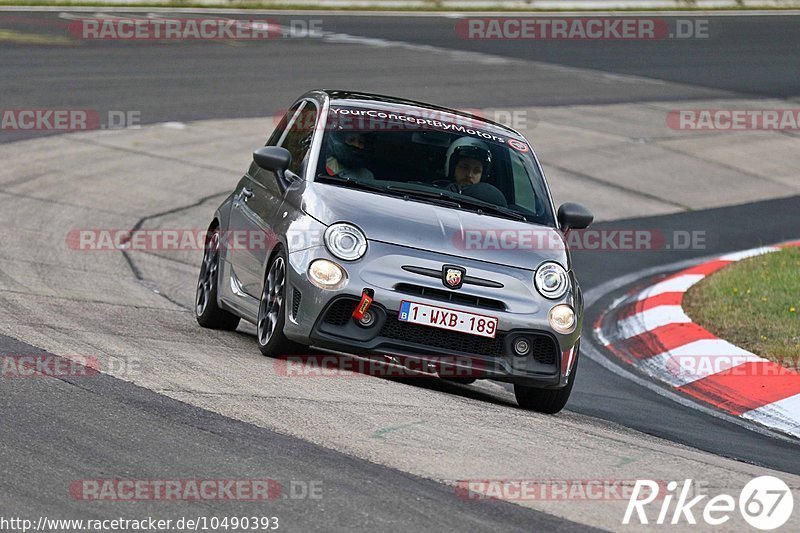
<point x="363" y="99"/>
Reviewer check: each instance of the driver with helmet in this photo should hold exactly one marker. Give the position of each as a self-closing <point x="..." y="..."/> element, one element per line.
<point x="468" y="161"/>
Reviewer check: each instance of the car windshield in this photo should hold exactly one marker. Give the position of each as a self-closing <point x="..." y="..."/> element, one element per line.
<point x="454" y="165"/>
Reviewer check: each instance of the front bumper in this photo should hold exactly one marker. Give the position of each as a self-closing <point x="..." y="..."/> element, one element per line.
<point x="322" y="318"/>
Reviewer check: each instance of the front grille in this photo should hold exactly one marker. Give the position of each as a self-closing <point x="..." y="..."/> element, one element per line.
<point x="340" y="312"/>
<point x="543" y="349"/>
<point x="443" y="295"/>
<point x="296" y="297"/>
<point x="442" y="338"/>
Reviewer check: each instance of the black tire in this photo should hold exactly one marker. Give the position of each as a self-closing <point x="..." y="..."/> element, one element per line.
<point x="548" y="401"/>
<point x="272" y="312"/>
<point x="206" y="309"/>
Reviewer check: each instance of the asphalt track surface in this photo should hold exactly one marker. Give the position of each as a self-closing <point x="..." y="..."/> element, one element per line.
<point x="743" y="56"/>
<point x="751" y="56"/>
<point x="164" y="439"/>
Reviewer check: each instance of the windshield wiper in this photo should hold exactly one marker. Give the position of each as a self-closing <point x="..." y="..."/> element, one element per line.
<point x="441" y="198"/>
<point x="356" y="184"/>
<point x="438" y="197"/>
<point x="486" y="206"/>
<point x="392" y="190"/>
<point x="462" y="199"/>
<point x="417" y="192"/>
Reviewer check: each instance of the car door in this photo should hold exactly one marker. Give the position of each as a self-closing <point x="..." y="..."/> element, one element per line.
<point x="257" y="203"/>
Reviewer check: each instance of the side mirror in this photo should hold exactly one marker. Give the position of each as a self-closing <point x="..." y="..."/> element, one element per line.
<point x="273" y="158"/>
<point x="574" y="216"/>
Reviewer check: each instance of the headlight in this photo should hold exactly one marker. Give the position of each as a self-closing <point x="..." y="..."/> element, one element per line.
<point x="562" y="319"/>
<point x="325" y="274"/>
<point x="551" y="280"/>
<point x="345" y="241"/>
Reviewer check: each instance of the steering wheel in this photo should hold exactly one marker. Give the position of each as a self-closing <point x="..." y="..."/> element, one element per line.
<point x="447" y="184"/>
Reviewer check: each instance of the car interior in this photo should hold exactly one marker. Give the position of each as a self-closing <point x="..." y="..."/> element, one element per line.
<point x="417" y="159"/>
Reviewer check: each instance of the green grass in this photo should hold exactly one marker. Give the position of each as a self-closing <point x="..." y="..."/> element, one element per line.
<point x="754" y="304"/>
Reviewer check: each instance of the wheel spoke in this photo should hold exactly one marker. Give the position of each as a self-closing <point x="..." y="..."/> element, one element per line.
<point x="208" y="274"/>
<point x="271" y="301"/>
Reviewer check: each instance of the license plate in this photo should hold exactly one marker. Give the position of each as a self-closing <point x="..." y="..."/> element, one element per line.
<point x="441" y="317"/>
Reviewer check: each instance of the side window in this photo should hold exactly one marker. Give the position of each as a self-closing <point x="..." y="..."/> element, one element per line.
<point x="298" y="137"/>
<point x="277" y="133"/>
<point x="523" y="192"/>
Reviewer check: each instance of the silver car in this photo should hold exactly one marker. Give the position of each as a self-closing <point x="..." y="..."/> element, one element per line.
<point x="371" y="226"/>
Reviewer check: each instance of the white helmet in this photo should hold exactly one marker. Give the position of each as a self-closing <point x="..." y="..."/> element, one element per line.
<point x="471" y="148"/>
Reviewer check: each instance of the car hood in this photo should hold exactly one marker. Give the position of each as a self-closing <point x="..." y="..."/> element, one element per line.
<point x="435" y="228"/>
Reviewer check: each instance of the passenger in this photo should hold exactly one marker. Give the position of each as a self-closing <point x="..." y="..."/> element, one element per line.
<point x="348" y="154"/>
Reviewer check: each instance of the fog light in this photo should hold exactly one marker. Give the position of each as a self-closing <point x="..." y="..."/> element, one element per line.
<point x="367" y="320"/>
<point x="325" y="274"/>
<point x="562" y="319"/>
<point x="521" y="346"/>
